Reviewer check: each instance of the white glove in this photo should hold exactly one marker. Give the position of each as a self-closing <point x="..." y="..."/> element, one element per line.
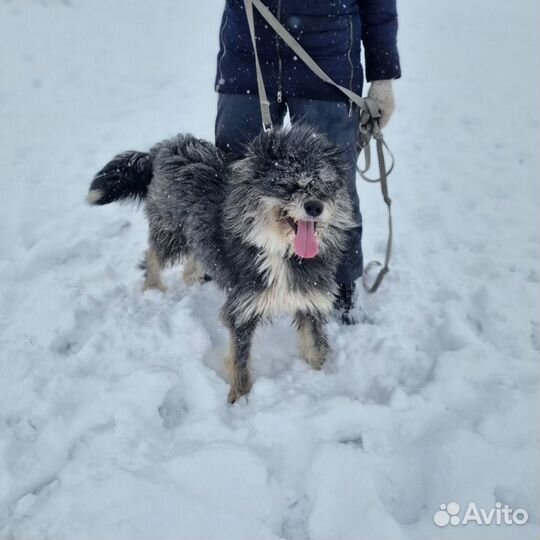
<point x="381" y="92"/>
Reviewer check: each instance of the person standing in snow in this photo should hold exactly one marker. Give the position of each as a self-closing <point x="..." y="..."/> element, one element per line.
<point x="332" y="33"/>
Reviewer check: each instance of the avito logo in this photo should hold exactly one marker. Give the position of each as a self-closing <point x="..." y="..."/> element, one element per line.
<point x="449" y="514"/>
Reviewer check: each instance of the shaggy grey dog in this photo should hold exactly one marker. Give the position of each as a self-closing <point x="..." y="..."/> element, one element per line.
<point x="270" y="228"/>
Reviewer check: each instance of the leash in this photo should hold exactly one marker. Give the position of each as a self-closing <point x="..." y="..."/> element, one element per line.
<point x="366" y="134"/>
<point x="366" y="130"/>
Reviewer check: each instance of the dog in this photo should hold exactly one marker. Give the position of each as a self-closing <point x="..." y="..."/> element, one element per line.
<point x="269" y="228"/>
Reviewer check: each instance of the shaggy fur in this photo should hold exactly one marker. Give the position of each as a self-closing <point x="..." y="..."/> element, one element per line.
<point x="237" y="221"/>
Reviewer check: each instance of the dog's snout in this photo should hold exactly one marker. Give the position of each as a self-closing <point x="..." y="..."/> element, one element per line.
<point x="313" y="208"/>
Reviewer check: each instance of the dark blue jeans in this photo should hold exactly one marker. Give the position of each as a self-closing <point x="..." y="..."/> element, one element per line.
<point x="238" y="122"/>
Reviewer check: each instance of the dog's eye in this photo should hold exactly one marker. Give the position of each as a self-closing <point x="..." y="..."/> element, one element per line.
<point x="287" y="186"/>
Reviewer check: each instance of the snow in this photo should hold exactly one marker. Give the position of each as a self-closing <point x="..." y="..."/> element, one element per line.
<point x="113" y="414"/>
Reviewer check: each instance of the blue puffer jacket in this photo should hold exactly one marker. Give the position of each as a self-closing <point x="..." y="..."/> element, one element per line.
<point x="330" y="30"/>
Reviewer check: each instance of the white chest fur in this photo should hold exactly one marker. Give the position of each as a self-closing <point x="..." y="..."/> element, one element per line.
<point x="280" y="297"/>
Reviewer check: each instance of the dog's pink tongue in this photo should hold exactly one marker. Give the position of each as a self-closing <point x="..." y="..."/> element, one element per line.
<point x="305" y="242"/>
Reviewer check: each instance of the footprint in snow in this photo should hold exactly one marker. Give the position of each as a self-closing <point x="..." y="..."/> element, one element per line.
<point x="173" y="409"/>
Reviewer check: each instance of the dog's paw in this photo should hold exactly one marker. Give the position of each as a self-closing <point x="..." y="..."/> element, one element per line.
<point x="314" y="356"/>
<point x="315" y="359"/>
<point x="193" y="273"/>
<point x="154" y="287"/>
<point x="237" y="391"/>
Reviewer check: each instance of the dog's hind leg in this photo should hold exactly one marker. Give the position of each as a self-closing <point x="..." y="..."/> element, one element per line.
<point x="239" y="355"/>
<point x="153" y="266"/>
<point x="312" y="337"/>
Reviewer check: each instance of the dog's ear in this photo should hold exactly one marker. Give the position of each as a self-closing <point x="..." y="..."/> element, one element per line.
<point x="241" y="171"/>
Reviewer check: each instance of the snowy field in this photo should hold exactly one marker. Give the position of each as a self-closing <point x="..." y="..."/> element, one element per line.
<point x="113" y="415"/>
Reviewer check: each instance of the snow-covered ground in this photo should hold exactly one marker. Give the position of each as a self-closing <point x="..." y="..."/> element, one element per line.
<point x="113" y="415"/>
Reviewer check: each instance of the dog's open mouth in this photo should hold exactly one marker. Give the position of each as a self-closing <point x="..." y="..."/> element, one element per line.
<point x="306" y="243"/>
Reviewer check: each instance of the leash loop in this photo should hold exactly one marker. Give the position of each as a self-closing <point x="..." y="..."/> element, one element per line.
<point x="372" y="129"/>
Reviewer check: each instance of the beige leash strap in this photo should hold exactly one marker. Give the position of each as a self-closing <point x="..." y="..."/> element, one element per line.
<point x="367" y="130"/>
<point x="265" y="104"/>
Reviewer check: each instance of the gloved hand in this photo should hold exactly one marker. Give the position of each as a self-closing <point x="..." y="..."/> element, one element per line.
<point x="381" y="92"/>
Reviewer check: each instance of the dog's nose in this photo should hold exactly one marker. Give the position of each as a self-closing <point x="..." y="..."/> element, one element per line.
<point x="313" y="208"/>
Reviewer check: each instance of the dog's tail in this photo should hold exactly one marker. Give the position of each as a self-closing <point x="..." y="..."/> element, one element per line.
<point x="127" y="176"/>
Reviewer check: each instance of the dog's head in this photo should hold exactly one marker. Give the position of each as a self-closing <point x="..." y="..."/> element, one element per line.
<point x="290" y="193"/>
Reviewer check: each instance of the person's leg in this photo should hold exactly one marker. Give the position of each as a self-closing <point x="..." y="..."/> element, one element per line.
<point x="340" y="125"/>
<point x="238" y="120"/>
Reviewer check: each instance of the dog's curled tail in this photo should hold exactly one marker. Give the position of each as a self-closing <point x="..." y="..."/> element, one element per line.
<point x="126" y="176"/>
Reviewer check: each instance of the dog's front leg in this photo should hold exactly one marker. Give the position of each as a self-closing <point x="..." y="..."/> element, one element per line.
<point x="312" y="337"/>
<point x="239" y="354"/>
